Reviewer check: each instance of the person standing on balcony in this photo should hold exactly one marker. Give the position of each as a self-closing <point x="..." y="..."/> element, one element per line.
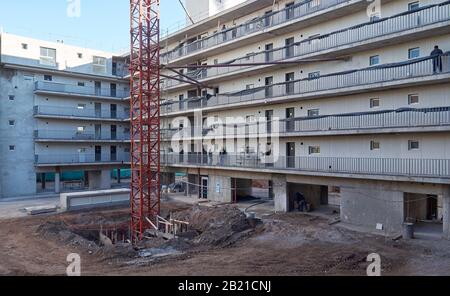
<point x="436" y="54"/>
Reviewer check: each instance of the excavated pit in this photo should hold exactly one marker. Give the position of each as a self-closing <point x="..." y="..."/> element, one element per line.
<point x="108" y="233"/>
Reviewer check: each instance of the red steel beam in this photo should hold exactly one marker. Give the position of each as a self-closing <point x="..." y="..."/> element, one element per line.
<point x="145" y="115"/>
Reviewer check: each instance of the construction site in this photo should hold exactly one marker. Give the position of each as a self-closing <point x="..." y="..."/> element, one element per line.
<point x="259" y="138"/>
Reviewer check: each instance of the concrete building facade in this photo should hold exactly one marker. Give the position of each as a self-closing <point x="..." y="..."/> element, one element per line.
<point x="62" y="110"/>
<point x="339" y="100"/>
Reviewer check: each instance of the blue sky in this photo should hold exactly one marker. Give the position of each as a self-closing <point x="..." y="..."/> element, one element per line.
<point x="101" y="25"/>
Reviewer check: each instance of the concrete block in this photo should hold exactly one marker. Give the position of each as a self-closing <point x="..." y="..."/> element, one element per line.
<point x="94" y="199"/>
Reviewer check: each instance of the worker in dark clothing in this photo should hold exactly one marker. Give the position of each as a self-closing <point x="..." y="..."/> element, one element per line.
<point x="301" y="202"/>
<point x="436" y="54"/>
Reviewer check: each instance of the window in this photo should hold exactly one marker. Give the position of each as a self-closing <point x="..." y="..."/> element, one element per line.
<point x="249" y="86"/>
<point x="48" y="56"/>
<point x="313" y="112"/>
<point x="28" y="77"/>
<point x="414" y="53"/>
<point x="413" y="99"/>
<point x="80" y="55"/>
<point x="413" y="5"/>
<point x="413" y="145"/>
<point x="99" y="64"/>
<point x="12" y="147"/>
<point x="11" y="98"/>
<point x="81" y="129"/>
<point x="374" y="60"/>
<point x="24" y="46"/>
<point x="374" y="145"/>
<point x="314" y="150"/>
<point x="374" y="103"/>
<point x="314" y="75"/>
<point x="48" y="77"/>
<point x="12" y="122"/>
<point x="81" y="106"/>
<point x="82" y="150"/>
<point x="81" y="84"/>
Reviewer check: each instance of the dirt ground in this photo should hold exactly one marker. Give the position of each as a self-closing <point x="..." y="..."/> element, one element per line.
<point x="224" y="243"/>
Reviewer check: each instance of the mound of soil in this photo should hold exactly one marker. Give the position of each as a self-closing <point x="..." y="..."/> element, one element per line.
<point x="216" y="226"/>
<point x="58" y="230"/>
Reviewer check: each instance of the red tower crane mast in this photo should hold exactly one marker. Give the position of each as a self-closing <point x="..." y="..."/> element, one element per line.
<point x="145" y="115"/>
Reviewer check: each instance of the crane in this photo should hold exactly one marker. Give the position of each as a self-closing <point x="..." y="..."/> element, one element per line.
<point x="145" y="115"/>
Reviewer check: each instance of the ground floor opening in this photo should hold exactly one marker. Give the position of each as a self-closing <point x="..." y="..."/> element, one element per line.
<point x="313" y="198"/>
<point x="425" y="211"/>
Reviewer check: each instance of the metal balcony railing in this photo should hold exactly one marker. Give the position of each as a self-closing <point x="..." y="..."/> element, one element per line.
<point x="420" y="67"/>
<point x="260" y="24"/>
<point x="80" y="90"/>
<point x="81" y="158"/>
<point x="395" y="24"/>
<point x="399" y="118"/>
<point x="79" y="112"/>
<point x="77" y="136"/>
<point x="435" y="168"/>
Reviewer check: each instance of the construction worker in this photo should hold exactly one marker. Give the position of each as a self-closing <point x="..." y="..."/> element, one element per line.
<point x="436" y="54"/>
<point x="301" y="202"/>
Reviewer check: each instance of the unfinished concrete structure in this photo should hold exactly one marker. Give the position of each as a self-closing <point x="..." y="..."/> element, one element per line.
<point x="339" y="100"/>
<point x="62" y="109"/>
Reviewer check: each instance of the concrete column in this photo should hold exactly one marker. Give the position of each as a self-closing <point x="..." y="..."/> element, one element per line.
<point x="118" y="176"/>
<point x="99" y="180"/>
<point x="280" y="190"/>
<point x="219" y="188"/>
<point x="446" y="216"/>
<point x="57" y="182"/>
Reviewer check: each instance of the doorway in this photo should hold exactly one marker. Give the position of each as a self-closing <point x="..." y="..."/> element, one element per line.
<point x="113" y="90"/>
<point x="98" y="153"/>
<point x="113" y="111"/>
<point x="98" y="131"/>
<point x="98" y="88"/>
<point x="98" y="110"/>
<point x="113" y="153"/>
<point x="113" y="132"/>
<point x="290" y="155"/>
<point x="204" y="191"/>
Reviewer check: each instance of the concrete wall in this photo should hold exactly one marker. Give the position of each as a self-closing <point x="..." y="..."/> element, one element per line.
<point x="17" y="173"/>
<point x="368" y="207"/>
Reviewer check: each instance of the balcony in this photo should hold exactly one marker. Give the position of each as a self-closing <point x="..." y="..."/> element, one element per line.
<point x="76" y="136"/>
<point x="314" y="47"/>
<point x="400" y="120"/>
<point x="49" y="88"/>
<point x="261" y="24"/>
<point x="81" y="158"/>
<point x="400" y="74"/>
<point x="78" y="113"/>
<point x="426" y="168"/>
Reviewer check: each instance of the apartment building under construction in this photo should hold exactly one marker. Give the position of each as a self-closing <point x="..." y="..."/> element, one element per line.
<point x="339" y="100"/>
